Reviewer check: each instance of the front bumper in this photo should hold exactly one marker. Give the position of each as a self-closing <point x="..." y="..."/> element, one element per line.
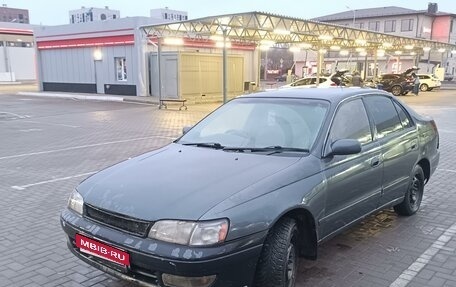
<point x="233" y="263"/>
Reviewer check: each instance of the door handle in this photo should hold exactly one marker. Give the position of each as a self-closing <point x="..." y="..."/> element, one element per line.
<point x="375" y="161"/>
<point x="413" y="145"/>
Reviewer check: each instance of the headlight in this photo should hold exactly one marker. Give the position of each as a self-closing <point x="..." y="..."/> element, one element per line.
<point x="75" y="202"/>
<point x="190" y="233"/>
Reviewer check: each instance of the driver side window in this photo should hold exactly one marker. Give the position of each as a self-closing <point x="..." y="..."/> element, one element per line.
<point x="351" y="122"/>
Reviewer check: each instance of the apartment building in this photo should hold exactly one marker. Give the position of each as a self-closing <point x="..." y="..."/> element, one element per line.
<point x="14" y="15"/>
<point x="168" y="14"/>
<point x="91" y="14"/>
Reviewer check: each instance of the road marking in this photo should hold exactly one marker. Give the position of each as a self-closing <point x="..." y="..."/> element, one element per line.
<point x="81" y="147"/>
<point x="51" y="124"/>
<point x="16" y="115"/>
<point x="407" y="276"/>
<point x="31" y="130"/>
<point x="446" y="131"/>
<point x="447" y="170"/>
<point x="22" y="187"/>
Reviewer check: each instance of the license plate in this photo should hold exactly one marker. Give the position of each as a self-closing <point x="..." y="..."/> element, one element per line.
<point x="102" y="250"/>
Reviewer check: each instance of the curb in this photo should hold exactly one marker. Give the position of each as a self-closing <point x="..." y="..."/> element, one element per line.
<point x="73" y="96"/>
<point x="131" y="100"/>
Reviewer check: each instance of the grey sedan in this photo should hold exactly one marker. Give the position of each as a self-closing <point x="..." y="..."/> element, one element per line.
<point x="252" y="187"/>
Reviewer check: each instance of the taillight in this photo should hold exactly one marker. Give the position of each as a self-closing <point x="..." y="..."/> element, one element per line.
<point x="333" y="85"/>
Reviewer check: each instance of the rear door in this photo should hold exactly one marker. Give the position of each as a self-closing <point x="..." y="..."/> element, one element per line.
<point x="399" y="144"/>
<point x="353" y="181"/>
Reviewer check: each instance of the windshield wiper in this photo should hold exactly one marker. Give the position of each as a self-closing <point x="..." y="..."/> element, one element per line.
<point x="208" y="144"/>
<point x="273" y="149"/>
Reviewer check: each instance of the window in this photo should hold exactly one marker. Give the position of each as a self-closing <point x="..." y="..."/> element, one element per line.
<point x="374" y="26"/>
<point x="390" y="26"/>
<point x="262" y="122"/>
<point x="405" y="120"/>
<point x="351" y="122"/>
<point x="385" y="115"/>
<point x="407" y="25"/>
<point x="121" y="69"/>
<point x="359" y="25"/>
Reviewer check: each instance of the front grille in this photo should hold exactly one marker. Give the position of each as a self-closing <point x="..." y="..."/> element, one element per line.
<point x="128" y="224"/>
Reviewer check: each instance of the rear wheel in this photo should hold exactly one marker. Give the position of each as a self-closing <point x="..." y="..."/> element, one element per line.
<point x="424" y="87"/>
<point x="396" y="90"/>
<point x="414" y="194"/>
<point x="278" y="263"/>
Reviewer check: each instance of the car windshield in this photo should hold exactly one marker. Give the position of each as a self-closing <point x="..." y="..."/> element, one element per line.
<point x="255" y="124"/>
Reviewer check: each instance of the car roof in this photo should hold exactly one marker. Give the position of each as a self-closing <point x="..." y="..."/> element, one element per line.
<point x="334" y="94"/>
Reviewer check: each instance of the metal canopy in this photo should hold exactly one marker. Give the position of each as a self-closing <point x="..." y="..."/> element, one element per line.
<point x="255" y="27"/>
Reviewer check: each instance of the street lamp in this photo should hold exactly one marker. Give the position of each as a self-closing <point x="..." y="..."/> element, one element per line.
<point x="354" y="14"/>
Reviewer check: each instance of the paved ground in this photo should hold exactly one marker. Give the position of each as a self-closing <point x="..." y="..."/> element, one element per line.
<point x="48" y="145"/>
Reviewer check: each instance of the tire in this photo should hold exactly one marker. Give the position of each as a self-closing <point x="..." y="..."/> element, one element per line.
<point x="430" y="89"/>
<point x="424" y="88"/>
<point x="414" y="194"/>
<point x="278" y="263"/>
<point x="396" y="90"/>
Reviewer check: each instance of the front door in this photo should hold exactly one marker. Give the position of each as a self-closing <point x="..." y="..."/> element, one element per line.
<point x="170" y="79"/>
<point x="99" y="80"/>
<point x="354" y="181"/>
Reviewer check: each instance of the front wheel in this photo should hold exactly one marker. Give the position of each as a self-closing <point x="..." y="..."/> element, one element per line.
<point x="396" y="90"/>
<point x="414" y="194"/>
<point x="278" y="263"/>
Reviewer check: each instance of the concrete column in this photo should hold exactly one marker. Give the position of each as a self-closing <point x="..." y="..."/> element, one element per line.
<point x="142" y="76"/>
<point x="224" y="68"/>
<point x="159" y="50"/>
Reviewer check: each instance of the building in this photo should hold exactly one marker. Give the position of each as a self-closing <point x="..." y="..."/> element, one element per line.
<point x="96" y="57"/>
<point x="17" y="52"/>
<point x="168" y="14"/>
<point x="91" y="14"/>
<point x="429" y="24"/>
<point x="14" y="15"/>
<point x="197" y="60"/>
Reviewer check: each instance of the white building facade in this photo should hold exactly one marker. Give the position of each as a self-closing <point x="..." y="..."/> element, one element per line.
<point x="168" y="14"/>
<point x="429" y="24"/>
<point x="91" y="14"/>
<point x="17" y="52"/>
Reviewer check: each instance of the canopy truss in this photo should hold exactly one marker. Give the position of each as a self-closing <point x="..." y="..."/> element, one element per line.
<point x="257" y="27"/>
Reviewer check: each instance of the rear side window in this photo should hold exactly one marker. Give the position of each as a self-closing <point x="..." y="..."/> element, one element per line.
<point x="405" y="120"/>
<point x="385" y="116"/>
<point x="351" y="122"/>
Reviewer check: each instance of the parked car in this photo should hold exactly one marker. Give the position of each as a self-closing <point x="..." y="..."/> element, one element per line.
<point x="283" y="78"/>
<point x="324" y="81"/>
<point x="398" y="84"/>
<point x="428" y="82"/>
<point x="259" y="182"/>
<point x="309" y="82"/>
<point x="448" y="77"/>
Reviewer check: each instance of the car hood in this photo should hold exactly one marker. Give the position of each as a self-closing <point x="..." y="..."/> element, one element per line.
<point x="177" y="182"/>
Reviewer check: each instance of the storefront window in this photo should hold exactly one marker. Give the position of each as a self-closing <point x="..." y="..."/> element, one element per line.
<point x="121" y="69"/>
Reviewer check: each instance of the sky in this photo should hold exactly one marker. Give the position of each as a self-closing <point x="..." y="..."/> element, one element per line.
<point x="54" y="12"/>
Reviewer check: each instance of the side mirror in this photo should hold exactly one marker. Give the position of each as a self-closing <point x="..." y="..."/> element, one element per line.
<point x="344" y="147"/>
<point x="186" y="129"/>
